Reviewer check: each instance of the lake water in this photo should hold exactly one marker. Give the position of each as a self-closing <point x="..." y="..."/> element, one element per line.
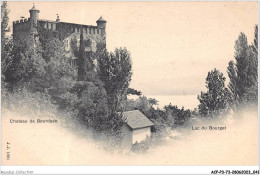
<point x="186" y="101"/>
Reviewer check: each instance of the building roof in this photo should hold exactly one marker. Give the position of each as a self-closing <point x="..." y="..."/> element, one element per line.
<point x="135" y="119"/>
<point x="101" y="19"/>
<point x="34" y="8"/>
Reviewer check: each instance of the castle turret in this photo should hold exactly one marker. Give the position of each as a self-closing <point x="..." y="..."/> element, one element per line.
<point x="34" y="16"/>
<point x="101" y="24"/>
<point x="58" y="18"/>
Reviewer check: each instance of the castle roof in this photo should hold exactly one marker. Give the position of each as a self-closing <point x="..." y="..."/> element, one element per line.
<point x="101" y="19"/>
<point x="34" y="8"/>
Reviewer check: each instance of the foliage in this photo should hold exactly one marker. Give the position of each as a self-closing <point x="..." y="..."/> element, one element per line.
<point x="153" y="101"/>
<point x="142" y="104"/>
<point x="252" y="91"/>
<point x="59" y="80"/>
<point x="232" y="73"/>
<point x="243" y="73"/>
<point x="217" y="98"/>
<point x="170" y="116"/>
<point x="115" y="71"/>
<point x="25" y="65"/>
<point x="60" y="76"/>
<point x="47" y="38"/>
<point x="6" y="42"/>
<point x="92" y="105"/>
<point x="255" y="44"/>
<point x="48" y="45"/>
<point x="24" y="101"/>
<point x="74" y="46"/>
<point x="4" y="24"/>
<point x="159" y="118"/>
<point x="51" y="74"/>
<point x="133" y="92"/>
<point x="63" y="31"/>
<point x="144" y="146"/>
<point x="175" y="116"/>
<point x="84" y="62"/>
<point x="81" y="59"/>
<point x="6" y="59"/>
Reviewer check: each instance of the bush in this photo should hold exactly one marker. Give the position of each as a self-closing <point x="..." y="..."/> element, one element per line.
<point x="27" y="103"/>
<point x="144" y="146"/>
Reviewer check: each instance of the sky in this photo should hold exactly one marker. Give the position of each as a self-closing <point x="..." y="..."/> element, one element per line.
<point x="173" y="45"/>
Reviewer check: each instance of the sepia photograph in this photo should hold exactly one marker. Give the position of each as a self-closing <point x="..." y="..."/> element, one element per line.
<point x="129" y="83"/>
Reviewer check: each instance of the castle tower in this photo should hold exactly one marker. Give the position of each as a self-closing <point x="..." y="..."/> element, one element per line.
<point x="58" y="18"/>
<point x="101" y="24"/>
<point x="34" y="16"/>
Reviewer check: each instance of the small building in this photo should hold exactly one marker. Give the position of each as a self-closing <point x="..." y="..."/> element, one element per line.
<point x="137" y="127"/>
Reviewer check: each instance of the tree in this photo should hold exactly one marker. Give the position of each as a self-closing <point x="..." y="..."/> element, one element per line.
<point x="60" y="77"/>
<point x="142" y="104"/>
<point x="115" y="71"/>
<point x="217" y="98"/>
<point x="133" y="92"/>
<point x="232" y="73"/>
<point x="255" y="43"/>
<point x="93" y="109"/>
<point x="4" y="24"/>
<point x="153" y="101"/>
<point x="243" y="72"/>
<point x="252" y="91"/>
<point x="48" y="38"/>
<point x="25" y="66"/>
<point x="176" y="116"/>
<point x="85" y="62"/>
<point x="6" y="43"/>
<point x="81" y="59"/>
<point x="241" y="49"/>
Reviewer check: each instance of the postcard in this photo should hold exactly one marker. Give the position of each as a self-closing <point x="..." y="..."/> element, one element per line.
<point x="129" y="83"/>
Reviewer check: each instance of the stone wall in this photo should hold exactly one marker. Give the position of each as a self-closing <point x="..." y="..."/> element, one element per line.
<point x="21" y="29"/>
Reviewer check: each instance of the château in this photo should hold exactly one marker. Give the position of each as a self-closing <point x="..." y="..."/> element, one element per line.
<point x="68" y="32"/>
